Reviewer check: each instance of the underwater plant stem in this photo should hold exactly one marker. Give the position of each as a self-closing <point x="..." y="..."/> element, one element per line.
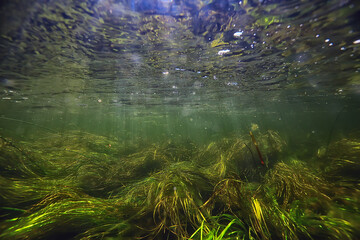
<point x="257" y="148"/>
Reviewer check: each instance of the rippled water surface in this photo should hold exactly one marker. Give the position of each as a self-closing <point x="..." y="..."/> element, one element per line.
<point x="177" y="66"/>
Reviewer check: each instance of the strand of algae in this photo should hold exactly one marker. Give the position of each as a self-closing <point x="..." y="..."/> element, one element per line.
<point x="29" y="123"/>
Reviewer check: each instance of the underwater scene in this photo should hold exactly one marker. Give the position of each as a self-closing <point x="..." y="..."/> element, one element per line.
<point x="180" y="119"/>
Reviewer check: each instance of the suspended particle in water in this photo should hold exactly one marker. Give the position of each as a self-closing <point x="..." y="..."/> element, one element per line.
<point x="223" y="52"/>
<point x="238" y="34"/>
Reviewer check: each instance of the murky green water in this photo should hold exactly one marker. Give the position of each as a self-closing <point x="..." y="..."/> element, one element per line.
<point x="91" y="90"/>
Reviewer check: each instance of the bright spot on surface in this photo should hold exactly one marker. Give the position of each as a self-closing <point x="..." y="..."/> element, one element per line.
<point x="327" y="40"/>
<point x="317" y="35"/>
<point x="223" y="52"/>
<point x="330" y="44"/>
<point x="165" y="72"/>
<point x="342" y="48"/>
<point x="356" y="41"/>
<point x="99" y="100"/>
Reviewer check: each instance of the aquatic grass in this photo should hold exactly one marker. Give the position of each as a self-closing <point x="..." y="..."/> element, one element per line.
<point x="95" y="165"/>
<point x="257" y="219"/>
<point x="66" y="216"/>
<point x="286" y="224"/>
<point x="175" y="198"/>
<point x="226" y="158"/>
<point x="324" y="227"/>
<point x="22" y="192"/>
<point x="343" y="162"/>
<point x="153" y="193"/>
<point x="294" y="181"/>
<point x="17" y="161"/>
<point x="230" y="193"/>
<point x="238" y="156"/>
<point x="224" y="226"/>
<point x="271" y="142"/>
<point x="337" y="228"/>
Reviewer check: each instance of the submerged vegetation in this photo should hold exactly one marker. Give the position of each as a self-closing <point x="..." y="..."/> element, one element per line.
<point x="83" y="186"/>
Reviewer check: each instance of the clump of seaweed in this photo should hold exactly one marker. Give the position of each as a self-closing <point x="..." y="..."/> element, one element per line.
<point x="99" y="165"/>
<point x="21" y="193"/>
<point x="240" y="156"/>
<point x="226" y="158"/>
<point x="68" y="215"/>
<point x="17" y="161"/>
<point x="343" y="162"/>
<point x="97" y="178"/>
<point x="229" y="195"/>
<point x="294" y="181"/>
<point x="329" y="228"/>
<point x="175" y="197"/>
<point x="272" y="142"/>
<point x="260" y="218"/>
